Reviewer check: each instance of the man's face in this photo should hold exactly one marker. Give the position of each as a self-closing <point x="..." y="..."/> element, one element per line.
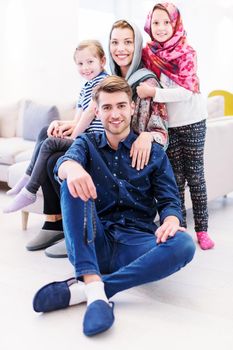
<point x="115" y="111"/>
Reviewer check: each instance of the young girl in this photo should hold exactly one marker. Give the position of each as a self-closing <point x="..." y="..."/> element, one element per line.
<point x="90" y="59"/>
<point x="174" y="62"/>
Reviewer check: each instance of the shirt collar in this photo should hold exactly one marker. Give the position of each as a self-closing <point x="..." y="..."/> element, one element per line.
<point x="127" y="142"/>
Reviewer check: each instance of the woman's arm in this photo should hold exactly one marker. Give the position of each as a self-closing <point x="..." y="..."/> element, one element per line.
<point x="150" y="121"/>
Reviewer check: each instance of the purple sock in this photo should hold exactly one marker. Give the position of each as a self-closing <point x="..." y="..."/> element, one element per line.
<point x="19" y="185"/>
<point x="21" y="200"/>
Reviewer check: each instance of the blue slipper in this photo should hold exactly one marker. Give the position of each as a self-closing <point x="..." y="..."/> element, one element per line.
<point x="98" y="318"/>
<point x="53" y="296"/>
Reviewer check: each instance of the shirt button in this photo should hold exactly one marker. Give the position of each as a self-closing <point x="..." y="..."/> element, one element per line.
<point x="116" y="157"/>
<point x="114" y="174"/>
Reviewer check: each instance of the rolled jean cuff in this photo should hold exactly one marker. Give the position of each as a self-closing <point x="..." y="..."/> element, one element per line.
<point x="80" y="273"/>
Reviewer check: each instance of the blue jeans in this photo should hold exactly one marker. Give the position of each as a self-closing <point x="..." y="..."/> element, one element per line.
<point x="125" y="256"/>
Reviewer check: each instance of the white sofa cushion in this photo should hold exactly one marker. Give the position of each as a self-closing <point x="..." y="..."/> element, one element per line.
<point x="10" y="148"/>
<point x="8" y="118"/>
<point x="215" y="106"/>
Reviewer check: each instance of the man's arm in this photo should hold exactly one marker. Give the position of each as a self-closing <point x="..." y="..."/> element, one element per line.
<point x="79" y="182"/>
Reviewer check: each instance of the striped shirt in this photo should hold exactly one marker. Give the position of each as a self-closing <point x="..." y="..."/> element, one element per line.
<point x="85" y="99"/>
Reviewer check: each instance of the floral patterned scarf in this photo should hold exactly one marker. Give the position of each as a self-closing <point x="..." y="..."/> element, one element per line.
<point x="175" y="58"/>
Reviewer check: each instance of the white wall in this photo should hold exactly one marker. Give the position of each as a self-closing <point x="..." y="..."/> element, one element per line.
<point x="38" y="37"/>
<point x="37" y="42"/>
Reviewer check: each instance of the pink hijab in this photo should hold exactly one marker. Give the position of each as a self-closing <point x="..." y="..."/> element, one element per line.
<point x="175" y="58"/>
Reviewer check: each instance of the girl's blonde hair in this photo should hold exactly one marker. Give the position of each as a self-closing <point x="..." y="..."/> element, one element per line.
<point x="93" y="45"/>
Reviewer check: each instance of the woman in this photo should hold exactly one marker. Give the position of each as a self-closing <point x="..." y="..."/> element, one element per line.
<point x="149" y="120"/>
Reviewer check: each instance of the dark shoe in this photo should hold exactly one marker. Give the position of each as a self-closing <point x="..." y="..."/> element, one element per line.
<point x="44" y="239"/>
<point x="57" y="250"/>
<point x="53" y="296"/>
<point x="98" y="318"/>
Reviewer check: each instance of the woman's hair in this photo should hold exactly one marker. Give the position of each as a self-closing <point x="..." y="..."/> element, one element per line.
<point x="122" y="24"/>
<point x="112" y="84"/>
<point x="94" y="45"/>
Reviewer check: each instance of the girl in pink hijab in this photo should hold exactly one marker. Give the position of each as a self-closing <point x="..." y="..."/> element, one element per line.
<point x="169" y="55"/>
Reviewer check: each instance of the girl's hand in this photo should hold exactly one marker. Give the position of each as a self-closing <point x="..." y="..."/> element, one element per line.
<point x="53" y="128"/>
<point x="144" y="90"/>
<point x="66" y="130"/>
<point x="140" y="150"/>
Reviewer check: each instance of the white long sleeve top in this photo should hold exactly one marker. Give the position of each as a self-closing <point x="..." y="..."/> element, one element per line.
<point x="184" y="107"/>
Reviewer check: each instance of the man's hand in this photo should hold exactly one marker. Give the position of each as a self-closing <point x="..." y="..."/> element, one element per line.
<point x="140" y="150"/>
<point x="79" y="182"/>
<point x="168" y="229"/>
<point x="144" y="90"/>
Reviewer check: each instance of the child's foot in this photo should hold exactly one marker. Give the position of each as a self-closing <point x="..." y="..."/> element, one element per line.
<point x="19" y="185"/>
<point x="204" y="240"/>
<point x="21" y="200"/>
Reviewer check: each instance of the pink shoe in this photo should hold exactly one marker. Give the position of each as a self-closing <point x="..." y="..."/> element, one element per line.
<point x="204" y="240"/>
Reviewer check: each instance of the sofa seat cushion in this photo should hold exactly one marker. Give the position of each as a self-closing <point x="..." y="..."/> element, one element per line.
<point x="10" y="148"/>
<point x="16" y="171"/>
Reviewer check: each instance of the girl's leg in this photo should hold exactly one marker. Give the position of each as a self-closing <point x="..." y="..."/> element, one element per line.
<point x="40" y="139"/>
<point x="49" y="146"/>
<point x="25" y="178"/>
<point x="193" y="146"/>
<point x="175" y="154"/>
<point x="27" y="195"/>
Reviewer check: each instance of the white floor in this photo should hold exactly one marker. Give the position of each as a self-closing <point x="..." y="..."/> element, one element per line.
<point x="192" y="309"/>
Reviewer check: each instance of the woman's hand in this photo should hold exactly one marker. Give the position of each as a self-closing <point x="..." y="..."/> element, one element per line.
<point x="140" y="150"/>
<point x="145" y="90"/>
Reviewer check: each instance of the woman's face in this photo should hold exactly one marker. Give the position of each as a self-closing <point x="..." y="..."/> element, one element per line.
<point x="122" y="48"/>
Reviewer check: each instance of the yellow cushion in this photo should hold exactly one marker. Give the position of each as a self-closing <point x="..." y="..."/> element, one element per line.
<point x="228" y="99"/>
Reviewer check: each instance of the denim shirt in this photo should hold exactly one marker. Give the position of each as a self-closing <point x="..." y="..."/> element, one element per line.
<point x="126" y="196"/>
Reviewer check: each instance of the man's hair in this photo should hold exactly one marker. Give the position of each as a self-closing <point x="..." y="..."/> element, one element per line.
<point x="112" y="84"/>
<point x="94" y="45"/>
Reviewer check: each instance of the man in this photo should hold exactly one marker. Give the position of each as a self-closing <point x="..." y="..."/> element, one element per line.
<point x="108" y="210"/>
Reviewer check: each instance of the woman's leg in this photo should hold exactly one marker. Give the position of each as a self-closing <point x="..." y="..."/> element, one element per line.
<point x="52" y="229"/>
